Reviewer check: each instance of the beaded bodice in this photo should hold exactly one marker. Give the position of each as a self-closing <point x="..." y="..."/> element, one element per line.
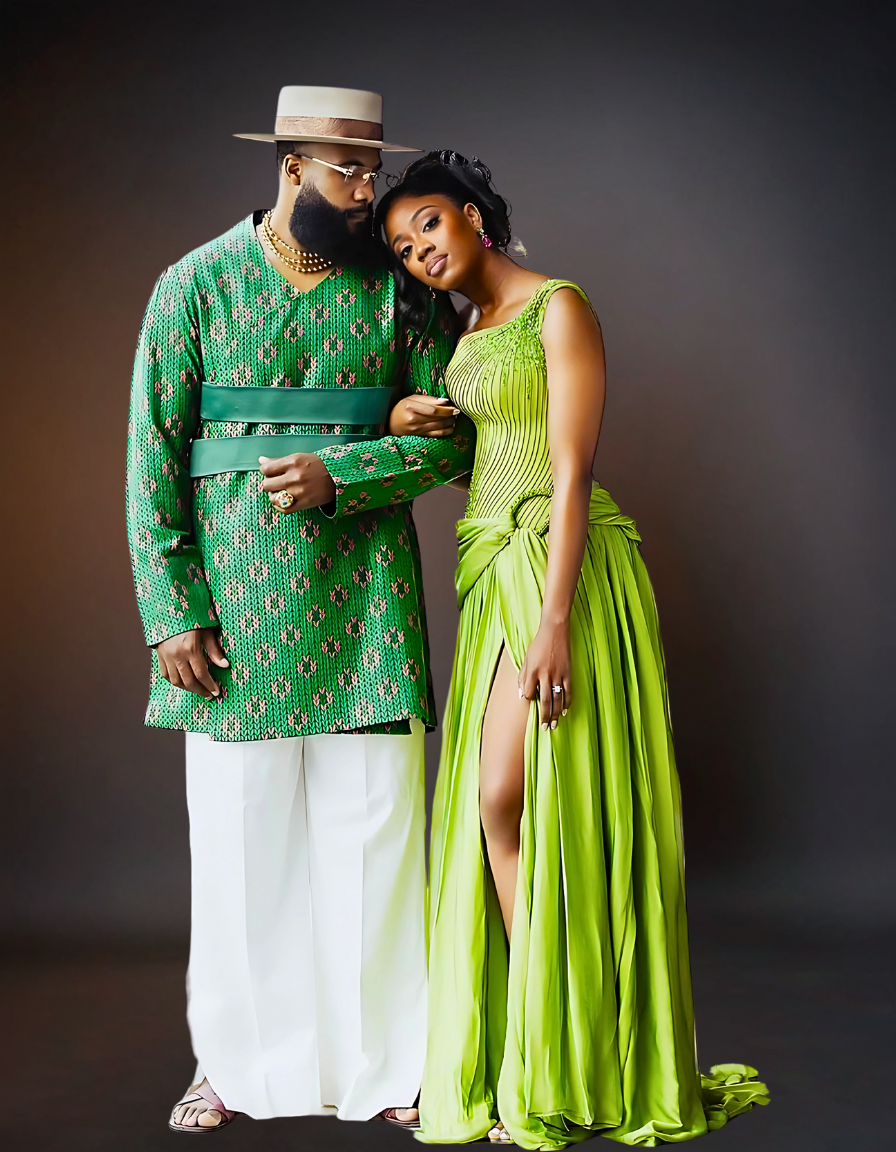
<point x="498" y="376"/>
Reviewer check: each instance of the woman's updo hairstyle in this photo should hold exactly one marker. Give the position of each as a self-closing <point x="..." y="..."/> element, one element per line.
<point x="443" y="173"/>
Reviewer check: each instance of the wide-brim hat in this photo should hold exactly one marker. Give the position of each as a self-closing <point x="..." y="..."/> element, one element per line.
<point x="329" y="116"/>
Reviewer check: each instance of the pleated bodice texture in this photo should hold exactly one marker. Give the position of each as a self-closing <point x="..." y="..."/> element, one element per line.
<point x="498" y="377"/>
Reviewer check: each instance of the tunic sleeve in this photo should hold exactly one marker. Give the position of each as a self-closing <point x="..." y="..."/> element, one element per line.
<point x="172" y="593"/>
<point x="395" y="469"/>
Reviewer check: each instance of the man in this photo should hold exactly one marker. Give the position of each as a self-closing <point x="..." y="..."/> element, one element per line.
<point x="277" y="572"/>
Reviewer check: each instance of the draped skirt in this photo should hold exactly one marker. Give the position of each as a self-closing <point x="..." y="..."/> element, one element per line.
<point x="584" y="1024"/>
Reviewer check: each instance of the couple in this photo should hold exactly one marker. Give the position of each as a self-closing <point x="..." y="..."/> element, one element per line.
<point x="278" y="575"/>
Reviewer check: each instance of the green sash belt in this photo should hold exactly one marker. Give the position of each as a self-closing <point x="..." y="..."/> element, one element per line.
<point x="240" y="453"/>
<point x="270" y="405"/>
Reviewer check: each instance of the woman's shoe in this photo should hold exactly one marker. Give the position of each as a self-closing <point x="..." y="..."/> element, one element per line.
<point x="499" y="1134"/>
<point x="218" y="1113"/>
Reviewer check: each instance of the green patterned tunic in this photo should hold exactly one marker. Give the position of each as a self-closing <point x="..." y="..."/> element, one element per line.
<point x="321" y="617"/>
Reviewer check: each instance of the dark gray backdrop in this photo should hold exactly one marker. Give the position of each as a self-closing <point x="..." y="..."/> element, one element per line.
<point x="719" y="177"/>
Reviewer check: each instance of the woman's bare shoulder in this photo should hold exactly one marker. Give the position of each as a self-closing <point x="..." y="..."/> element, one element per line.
<point x="569" y="313"/>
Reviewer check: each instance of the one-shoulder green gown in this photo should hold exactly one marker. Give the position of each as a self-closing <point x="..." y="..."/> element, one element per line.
<point x="585" y="1024"/>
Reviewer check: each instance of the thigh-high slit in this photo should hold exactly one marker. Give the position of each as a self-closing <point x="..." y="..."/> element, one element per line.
<point x="502" y="779"/>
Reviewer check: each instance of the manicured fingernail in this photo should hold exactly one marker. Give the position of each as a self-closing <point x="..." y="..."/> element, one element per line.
<point x="226" y="664"/>
<point x="553" y="724"/>
<point x="263" y="459"/>
<point x="565" y="710"/>
<point x="544" y="727"/>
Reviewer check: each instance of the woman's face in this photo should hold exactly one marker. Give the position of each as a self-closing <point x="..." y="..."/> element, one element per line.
<point x="435" y="241"/>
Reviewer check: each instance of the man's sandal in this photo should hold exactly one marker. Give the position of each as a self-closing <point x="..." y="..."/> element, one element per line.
<point x="391" y="1115"/>
<point x="499" y="1134"/>
<point x="202" y="1092"/>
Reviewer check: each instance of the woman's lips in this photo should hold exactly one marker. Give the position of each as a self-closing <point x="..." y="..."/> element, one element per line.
<point x="435" y="265"/>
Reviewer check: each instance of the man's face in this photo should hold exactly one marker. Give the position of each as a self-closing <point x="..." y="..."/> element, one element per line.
<point x="332" y="211"/>
<point x="351" y="195"/>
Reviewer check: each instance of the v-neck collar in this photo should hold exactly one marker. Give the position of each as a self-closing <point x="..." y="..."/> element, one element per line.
<point x="281" y="290"/>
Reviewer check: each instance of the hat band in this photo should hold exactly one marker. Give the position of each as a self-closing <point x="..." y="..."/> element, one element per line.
<point x="328" y="126"/>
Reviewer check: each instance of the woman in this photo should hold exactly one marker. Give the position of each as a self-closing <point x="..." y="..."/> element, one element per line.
<point x="556" y="749"/>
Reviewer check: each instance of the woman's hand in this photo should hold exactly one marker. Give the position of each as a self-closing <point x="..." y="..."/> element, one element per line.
<point x="546" y="668"/>
<point x="422" y="416"/>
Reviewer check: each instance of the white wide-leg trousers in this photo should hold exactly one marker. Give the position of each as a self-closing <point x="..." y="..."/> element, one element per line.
<point x="307" y="976"/>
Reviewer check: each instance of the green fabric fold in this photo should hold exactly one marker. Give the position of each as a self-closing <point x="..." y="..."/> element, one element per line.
<point x="479" y="541"/>
<point x="585" y="1024"/>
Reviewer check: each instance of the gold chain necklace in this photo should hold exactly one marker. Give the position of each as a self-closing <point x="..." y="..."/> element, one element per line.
<point x="299" y="261"/>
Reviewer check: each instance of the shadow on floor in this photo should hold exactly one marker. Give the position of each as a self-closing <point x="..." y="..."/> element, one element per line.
<point x="96" y="1047"/>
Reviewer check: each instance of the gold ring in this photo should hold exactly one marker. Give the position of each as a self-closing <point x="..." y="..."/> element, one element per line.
<point x="284" y="499"/>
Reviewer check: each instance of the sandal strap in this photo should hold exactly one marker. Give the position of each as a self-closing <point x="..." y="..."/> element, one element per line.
<point x="211" y="1098"/>
<point x="391" y="1116"/>
<point x="207" y="1093"/>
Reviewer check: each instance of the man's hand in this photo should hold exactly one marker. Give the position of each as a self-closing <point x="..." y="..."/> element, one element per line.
<point x="303" y="475"/>
<point x="183" y="663"/>
<point x="423" y="416"/>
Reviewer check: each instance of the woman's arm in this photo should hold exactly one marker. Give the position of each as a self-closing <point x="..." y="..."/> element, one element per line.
<point x="427" y="416"/>
<point x="574" y="354"/>
<point x="395" y="469"/>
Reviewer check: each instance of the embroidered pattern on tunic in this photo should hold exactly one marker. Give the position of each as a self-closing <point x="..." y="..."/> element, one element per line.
<point x="322" y="618"/>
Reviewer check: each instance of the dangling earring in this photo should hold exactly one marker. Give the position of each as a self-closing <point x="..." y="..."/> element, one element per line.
<point x="482" y="236"/>
<point x="432" y="292"/>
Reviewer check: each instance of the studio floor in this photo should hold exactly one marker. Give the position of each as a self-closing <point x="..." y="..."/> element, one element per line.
<point x="96" y="1048"/>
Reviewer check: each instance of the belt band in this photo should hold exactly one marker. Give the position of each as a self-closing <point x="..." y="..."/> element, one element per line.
<point x="271" y="405"/>
<point x="240" y="453"/>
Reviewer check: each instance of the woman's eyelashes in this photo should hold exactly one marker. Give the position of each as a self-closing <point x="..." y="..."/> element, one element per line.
<point x="404" y="252"/>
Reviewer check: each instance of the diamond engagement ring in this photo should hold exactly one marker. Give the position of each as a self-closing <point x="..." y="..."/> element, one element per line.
<point x="557" y="689"/>
<point x="284" y="499"/>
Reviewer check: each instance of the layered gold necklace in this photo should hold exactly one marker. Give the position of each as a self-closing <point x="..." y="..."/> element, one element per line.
<point x="295" y="258"/>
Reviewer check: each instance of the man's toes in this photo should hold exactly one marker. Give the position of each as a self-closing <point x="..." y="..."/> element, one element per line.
<point x="210" y="1118"/>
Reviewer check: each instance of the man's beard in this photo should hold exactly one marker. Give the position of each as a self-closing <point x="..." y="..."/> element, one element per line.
<point x="323" y="228"/>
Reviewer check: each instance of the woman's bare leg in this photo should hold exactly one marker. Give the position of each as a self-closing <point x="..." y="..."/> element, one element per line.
<point x="501" y="781"/>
